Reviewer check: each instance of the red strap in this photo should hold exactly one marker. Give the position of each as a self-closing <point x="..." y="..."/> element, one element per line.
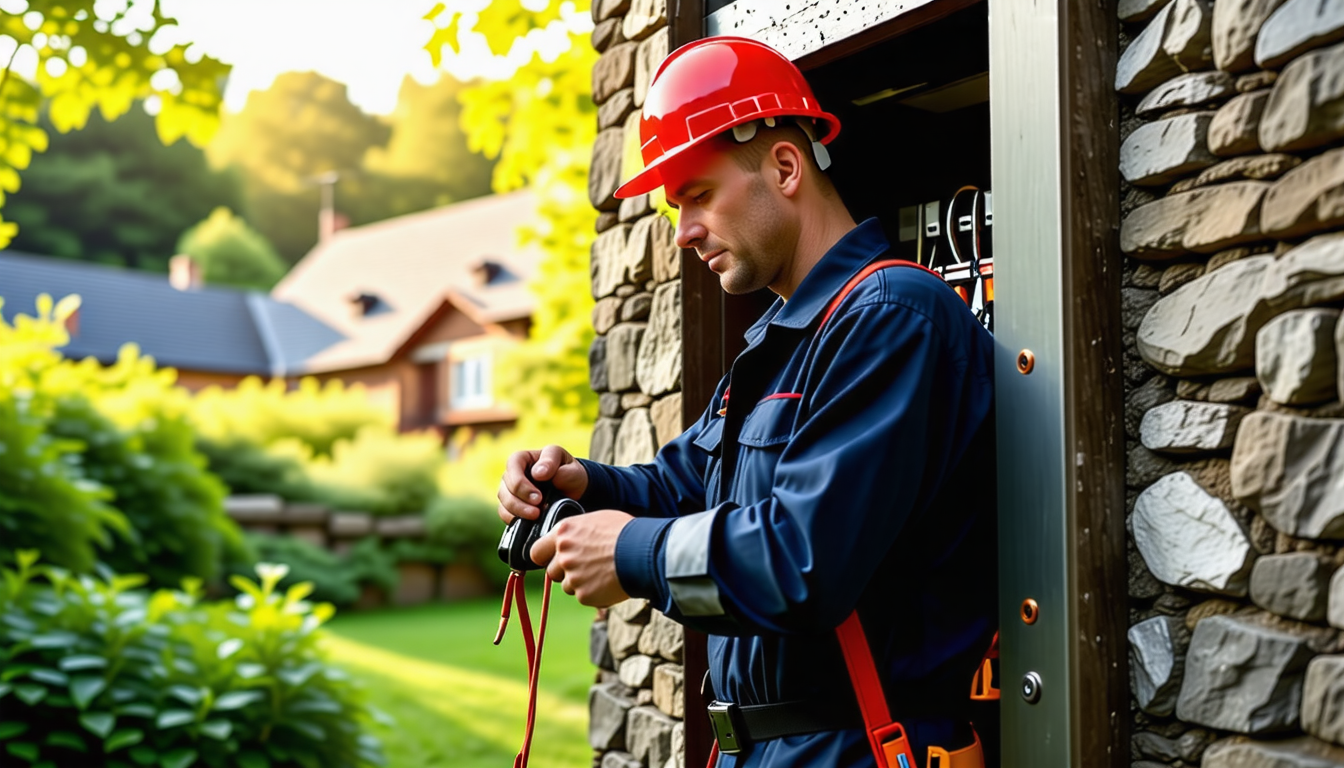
<point x="864" y="273"/>
<point x="863" y="676"/>
<point x="514" y="592"/>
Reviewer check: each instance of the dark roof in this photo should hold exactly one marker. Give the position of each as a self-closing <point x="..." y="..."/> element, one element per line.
<point x="217" y="329"/>
<point x="380" y="283"/>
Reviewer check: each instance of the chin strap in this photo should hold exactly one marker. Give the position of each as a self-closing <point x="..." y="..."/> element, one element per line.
<point x="515" y="593"/>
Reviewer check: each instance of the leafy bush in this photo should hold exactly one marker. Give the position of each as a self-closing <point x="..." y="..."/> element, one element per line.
<point x="96" y="672"/>
<point x="335" y="579"/>
<point x="232" y="253"/>
<point x="469" y="530"/>
<point x="315" y="414"/>
<point x="91" y="451"/>
<point x="380" y="472"/>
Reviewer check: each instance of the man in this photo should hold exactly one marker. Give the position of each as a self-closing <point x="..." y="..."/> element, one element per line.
<point x="845" y="463"/>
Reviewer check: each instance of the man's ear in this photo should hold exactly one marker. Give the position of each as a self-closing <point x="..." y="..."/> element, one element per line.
<point x="786" y="167"/>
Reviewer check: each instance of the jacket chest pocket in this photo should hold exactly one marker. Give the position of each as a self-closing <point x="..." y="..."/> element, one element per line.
<point x="765" y="432"/>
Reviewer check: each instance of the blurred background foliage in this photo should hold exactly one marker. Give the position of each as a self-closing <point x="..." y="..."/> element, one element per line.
<point x="92" y="54"/>
<point x="540" y="124"/>
<point x="230" y="252"/>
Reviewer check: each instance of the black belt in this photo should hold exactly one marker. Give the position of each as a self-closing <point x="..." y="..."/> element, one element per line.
<point x="738" y="726"/>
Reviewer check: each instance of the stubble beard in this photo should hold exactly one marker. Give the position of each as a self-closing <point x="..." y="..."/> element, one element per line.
<point x="755" y="262"/>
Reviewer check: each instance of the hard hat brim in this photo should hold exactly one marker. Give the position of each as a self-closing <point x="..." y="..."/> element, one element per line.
<point x="651" y="177"/>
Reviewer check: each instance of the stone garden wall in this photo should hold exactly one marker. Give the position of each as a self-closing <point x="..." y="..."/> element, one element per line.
<point x="637" y="704"/>
<point x="1233" y="232"/>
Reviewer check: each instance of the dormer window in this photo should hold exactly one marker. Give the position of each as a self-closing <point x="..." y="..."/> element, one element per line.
<point x="364" y="303"/>
<point x="487" y="271"/>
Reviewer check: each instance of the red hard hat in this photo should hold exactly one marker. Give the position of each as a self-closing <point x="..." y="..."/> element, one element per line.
<point x="705" y="88"/>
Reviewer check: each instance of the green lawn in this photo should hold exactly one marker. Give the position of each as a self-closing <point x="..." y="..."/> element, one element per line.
<point x="460" y="701"/>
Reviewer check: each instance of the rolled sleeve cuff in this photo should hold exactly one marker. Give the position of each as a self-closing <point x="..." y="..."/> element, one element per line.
<point x="637" y="558"/>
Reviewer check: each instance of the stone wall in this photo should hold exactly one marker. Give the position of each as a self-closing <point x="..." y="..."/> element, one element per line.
<point x="636" y="705"/>
<point x="1233" y="232"/>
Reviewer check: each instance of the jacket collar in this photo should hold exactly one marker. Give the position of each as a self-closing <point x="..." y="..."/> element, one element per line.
<point x="850" y="254"/>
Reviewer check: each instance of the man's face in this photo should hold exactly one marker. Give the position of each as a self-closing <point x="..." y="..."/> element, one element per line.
<point x="738" y="225"/>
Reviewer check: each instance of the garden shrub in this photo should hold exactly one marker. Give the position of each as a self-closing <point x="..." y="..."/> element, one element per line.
<point x="335" y="578"/>
<point x="99" y="460"/>
<point x="468" y="530"/>
<point x="381" y="472"/>
<point x="317" y="415"/>
<point x="99" y="673"/>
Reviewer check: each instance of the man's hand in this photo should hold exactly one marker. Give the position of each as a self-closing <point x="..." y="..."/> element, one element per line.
<point x="520" y="498"/>
<point x="581" y="554"/>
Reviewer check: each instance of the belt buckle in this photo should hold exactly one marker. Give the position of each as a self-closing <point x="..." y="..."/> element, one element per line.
<point x="727" y="731"/>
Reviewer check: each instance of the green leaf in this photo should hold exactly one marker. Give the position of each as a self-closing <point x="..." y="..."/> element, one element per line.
<point x="311" y="730"/>
<point x="136" y="710"/>
<point x="82" y="661"/>
<point x="178" y="758"/>
<point x="98" y="723"/>
<point x="251" y="759"/>
<point x="85" y="689"/>
<point x="144" y="755"/>
<point x="171" y="718"/>
<point x="238" y="699"/>
<point x="217" y="729"/>
<point x="250" y="670"/>
<point x="22" y="749"/>
<point x="186" y="694"/>
<point x="49" y="676"/>
<point x="4" y="689"/>
<point x="123" y="738"/>
<point x="30" y="694"/>
<point x="11" y="729"/>
<point x="54" y="640"/>
<point x="68" y="740"/>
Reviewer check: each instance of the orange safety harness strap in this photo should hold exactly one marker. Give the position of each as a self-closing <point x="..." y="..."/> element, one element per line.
<point x="515" y="593"/>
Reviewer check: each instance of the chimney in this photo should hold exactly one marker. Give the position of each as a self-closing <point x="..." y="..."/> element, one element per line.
<point x="185" y="273"/>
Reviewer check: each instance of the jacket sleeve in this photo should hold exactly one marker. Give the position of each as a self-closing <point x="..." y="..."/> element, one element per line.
<point x="883" y="400"/>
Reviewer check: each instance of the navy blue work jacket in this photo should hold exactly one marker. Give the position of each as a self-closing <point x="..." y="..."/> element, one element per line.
<point x="862" y="476"/>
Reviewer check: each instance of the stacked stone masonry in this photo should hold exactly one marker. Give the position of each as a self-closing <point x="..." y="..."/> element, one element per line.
<point x="637" y="703"/>
<point x="1232" y="166"/>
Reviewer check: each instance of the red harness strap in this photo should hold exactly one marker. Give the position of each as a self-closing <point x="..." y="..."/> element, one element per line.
<point x="514" y="592"/>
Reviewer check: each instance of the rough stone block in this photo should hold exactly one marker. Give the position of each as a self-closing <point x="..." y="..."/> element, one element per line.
<point x="1152" y="393"/>
<point x="1189" y="38"/>
<point x="607" y="9"/>
<point x="607" y="34"/>
<point x="666" y="414"/>
<point x="678" y="759"/>
<point x="635" y="440"/>
<point x="1157" y="661"/>
<point x="649" y="734"/>
<point x="603" y="447"/>
<point x="621" y="760"/>
<point x="1186" y="427"/>
<point x="616" y="109"/>
<point x="1209" y="325"/>
<point x="635" y="400"/>
<point x="669" y="690"/>
<point x="1189" y="90"/>
<point x="604" y="174"/>
<point x="665" y="254"/>
<point x="1202" y="220"/>
<point x="623" y="636"/>
<point x="1306" y="106"/>
<point x="1189" y="746"/>
<point x="606" y="313"/>
<point x="606" y="263"/>
<point x="1323" y="699"/>
<point x="1243" y="677"/>
<point x="633" y="208"/>
<point x="662" y="637"/>
<point x="1165" y="150"/>
<point x="622" y="352"/>
<point x="1334" y="602"/>
<point x="1309" y="198"/>
<point x="1294" y="584"/>
<point x="599" y="649"/>
<point x="1188" y="538"/>
<point x="1144" y="64"/>
<point x="613" y="71"/>
<point x="608" y="709"/>
<point x="637" y="307"/>
<point x="637" y="671"/>
<point x="638" y="254"/>
<point x="659" y="365"/>
<point x="1290" y="469"/>
<point x="1132" y="11"/>
<point x="1299" y="752"/>
<point x="643" y="18"/>
<point x="1258" y="167"/>
<point x="1298" y="26"/>
<point x="1235" y="26"/>
<point x="652" y="51"/>
<point x="1235" y="129"/>
<point x="635" y="610"/>
<point x="1295" y="357"/>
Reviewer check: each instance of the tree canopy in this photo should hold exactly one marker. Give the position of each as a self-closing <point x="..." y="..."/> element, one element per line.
<point x="107" y="55"/>
<point x="113" y="193"/>
<point x="232" y="253"/>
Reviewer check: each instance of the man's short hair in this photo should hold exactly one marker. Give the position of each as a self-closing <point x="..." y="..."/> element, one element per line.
<point x="748" y="155"/>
